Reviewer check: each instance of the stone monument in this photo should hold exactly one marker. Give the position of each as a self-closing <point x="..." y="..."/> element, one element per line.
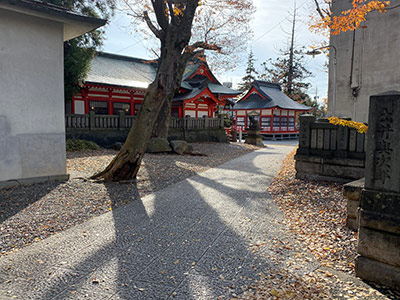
<point x="254" y="136"/>
<point x="379" y="219"/>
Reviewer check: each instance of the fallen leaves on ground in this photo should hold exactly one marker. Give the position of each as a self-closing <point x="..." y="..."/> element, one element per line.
<point x="316" y="213"/>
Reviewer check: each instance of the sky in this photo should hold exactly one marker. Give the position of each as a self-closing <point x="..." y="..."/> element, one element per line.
<point x="271" y="25"/>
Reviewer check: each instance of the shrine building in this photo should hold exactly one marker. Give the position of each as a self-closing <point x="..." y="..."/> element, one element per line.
<point x="275" y="112"/>
<point x="118" y="83"/>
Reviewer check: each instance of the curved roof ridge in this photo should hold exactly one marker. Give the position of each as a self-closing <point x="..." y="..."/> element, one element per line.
<point x="268" y="84"/>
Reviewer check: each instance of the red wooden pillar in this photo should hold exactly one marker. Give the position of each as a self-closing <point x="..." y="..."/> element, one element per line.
<point x="287" y="124"/>
<point x="272" y="120"/>
<point x="132" y="102"/>
<point x="197" y="109"/>
<point x="110" y="106"/>
<point x="85" y="92"/>
<point x="180" y="111"/>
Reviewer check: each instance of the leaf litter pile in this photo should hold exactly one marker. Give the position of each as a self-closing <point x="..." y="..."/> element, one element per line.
<point x="315" y="214"/>
<point x="31" y="213"/>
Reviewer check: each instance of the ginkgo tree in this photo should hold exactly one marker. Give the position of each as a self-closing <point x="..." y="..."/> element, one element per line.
<point x="183" y="28"/>
<point x="326" y="22"/>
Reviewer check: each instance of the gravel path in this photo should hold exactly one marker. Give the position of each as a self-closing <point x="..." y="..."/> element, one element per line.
<point x="216" y="235"/>
<point x="31" y="213"/>
<point x="197" y="239"/>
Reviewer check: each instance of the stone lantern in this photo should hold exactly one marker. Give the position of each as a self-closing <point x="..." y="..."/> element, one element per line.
<point x="254" y="136"/>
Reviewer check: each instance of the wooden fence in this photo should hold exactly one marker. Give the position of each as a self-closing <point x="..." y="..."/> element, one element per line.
<point x="124" y="122"/>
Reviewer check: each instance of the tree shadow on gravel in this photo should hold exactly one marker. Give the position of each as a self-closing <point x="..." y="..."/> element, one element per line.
<point x="13" y="200"/>
<point x="188" y="241"/>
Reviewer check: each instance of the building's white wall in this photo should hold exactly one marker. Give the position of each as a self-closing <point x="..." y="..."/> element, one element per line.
<point x="32" y="130"/>
<point x="375" y="67"/>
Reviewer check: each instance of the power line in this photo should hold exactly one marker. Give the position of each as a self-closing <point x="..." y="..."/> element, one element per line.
<point x="270" y="30"/>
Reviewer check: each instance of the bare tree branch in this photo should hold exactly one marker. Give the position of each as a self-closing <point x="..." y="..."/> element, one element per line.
<point x="157" y="32"/>
<point x="171" y="12"/>
<point x="191" y="50"/>
<point x="318" y="8"/>
<point x="159" y="10"/>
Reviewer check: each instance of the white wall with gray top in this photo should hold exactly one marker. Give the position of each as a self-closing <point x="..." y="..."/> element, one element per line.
<point x="367" y="62"/>
<point x="32" y="131"/>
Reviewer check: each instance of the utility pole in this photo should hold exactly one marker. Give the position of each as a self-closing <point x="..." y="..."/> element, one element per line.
<point x="291" y="55"/>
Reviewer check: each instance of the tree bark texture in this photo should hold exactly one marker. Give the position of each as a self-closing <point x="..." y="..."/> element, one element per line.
<point x="174" y="35"/>
<point x="161" y="126"/>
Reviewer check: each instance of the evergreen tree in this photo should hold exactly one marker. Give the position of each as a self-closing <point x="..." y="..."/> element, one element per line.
<point x="251" y="74"/>
<point x="79" y="52"/>
<point x="290" y="76"/>
<point x="288" y="70"/>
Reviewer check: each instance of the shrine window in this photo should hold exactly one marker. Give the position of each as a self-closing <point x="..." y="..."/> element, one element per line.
<point x="240" y="121"/>
<point x="291" y="122"/>
<point x="284" y="122"/>
<point x="137" y="107"/>
<point x="99" y="107"/>
<point x="277" y="122"/>
<point x="265" y="122"/>
<point x="118" y="106"/>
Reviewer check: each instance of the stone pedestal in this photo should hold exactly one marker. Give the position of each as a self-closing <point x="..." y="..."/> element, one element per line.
<point x="353" y="191"/>
<point x="254" y="137"/>
<point x="379" y="225"/>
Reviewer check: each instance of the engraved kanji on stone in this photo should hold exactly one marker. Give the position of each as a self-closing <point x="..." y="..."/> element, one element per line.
<point x="382" y="163"/>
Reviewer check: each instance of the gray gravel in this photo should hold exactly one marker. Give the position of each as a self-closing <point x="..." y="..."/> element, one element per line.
<point x="191" y="240"/>
<point x="31" y="213"/>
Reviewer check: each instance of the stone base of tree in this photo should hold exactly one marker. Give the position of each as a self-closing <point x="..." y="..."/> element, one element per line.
<point x="352" y="191"/>
<point x="158" y="145"/>
<point x="180" y="147"/>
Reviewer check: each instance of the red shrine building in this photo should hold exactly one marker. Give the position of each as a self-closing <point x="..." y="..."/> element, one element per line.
<point x="275" y="112"/>
<point x="118" y="83"/>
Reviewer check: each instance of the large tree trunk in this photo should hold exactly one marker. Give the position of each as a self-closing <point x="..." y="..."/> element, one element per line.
<point x="174" y="34"/>
<point x="127" y="162"/>
<point x="161" y="126"/>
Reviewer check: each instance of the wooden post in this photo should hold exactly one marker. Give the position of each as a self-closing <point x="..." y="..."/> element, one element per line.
<point x="221" y="120"/>
<point x="121" y="120"/>
<point x="92" y="120"/>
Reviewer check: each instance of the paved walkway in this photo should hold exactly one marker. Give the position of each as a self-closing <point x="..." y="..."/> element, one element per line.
<point x="197" y="239"/>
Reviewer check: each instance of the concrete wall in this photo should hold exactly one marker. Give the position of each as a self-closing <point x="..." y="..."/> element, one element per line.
<point x="367" y="62"/>
<point x="32" y="131"/>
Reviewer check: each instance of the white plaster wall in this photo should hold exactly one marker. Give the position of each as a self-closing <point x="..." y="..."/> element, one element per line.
<point x="32" y="132"/>
<point x="376" y="64"/>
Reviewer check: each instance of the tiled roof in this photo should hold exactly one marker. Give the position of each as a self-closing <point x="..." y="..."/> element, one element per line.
<point x="274" y="97"/>
<point x="220" y="89"/>
<point x="125" y="71"/>
<point x="121" y="71"/>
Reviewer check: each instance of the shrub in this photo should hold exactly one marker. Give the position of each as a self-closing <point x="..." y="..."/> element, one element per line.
<point x="79" y="145"/>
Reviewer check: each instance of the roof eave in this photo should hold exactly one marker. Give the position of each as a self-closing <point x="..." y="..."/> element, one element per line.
<point x="74" y="24"/>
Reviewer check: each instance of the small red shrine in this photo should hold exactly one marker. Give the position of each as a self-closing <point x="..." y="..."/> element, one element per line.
<point x="118" y="83"/>
<point x="274" y="111"/>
